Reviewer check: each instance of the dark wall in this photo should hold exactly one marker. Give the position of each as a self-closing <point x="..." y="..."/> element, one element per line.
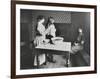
<point x="64" y="30"/>
<point x="26" y="25"/>
<point x="80" y="19"/>
<point x="26" y="35"/>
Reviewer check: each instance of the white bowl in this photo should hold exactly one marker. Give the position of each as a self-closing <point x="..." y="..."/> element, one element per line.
<point x="57" y="40"/>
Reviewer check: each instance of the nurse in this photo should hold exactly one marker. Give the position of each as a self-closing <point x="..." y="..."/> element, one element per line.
<point x="40" y="38"/>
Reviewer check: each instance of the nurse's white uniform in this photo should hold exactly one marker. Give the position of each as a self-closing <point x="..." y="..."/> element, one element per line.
<point x="39" y="40"/>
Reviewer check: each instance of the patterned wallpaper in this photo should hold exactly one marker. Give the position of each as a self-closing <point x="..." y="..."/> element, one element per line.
<point x="59" y="16"/>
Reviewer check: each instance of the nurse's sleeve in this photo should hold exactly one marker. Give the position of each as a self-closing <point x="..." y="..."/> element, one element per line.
<point x="41" y="31"/>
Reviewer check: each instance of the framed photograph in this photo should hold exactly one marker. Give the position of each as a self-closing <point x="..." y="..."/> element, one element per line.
<point x="52" y="39"/>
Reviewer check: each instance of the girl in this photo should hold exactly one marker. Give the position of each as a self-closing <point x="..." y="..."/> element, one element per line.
<point x="51" y="30"/>
<point x="50" y="33"/>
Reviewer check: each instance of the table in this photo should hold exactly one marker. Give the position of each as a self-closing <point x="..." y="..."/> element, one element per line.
<point x="65" y="47"/>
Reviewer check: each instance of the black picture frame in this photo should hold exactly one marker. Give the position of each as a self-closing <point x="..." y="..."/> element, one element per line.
<point x="13" y="38"/>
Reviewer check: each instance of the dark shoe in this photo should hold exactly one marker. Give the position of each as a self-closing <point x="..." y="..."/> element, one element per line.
<point x="48" y="59"/>
<point x="44" y="63"/>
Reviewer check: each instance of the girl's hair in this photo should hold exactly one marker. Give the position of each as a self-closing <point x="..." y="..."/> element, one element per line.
<point x="49" y="21"/>
<point x="40" y="17"/>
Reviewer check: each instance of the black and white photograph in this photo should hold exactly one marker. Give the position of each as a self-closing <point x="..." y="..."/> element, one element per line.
<point x="53" y="39"/>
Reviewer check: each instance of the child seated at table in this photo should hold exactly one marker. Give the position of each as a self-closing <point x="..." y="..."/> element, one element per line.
<point x="78" y="44"/>
<point x="40" y="37"/>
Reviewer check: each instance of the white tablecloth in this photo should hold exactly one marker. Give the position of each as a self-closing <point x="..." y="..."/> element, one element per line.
<point x="63" y="46"/>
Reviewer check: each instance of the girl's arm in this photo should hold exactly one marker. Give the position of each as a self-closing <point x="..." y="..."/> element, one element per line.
<point x="47" y="30"/>
<point x="53" y="31"/>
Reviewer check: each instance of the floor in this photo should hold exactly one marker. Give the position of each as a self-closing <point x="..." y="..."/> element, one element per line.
<point x="76" y="61"/>
<point x="60" y="62"/>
